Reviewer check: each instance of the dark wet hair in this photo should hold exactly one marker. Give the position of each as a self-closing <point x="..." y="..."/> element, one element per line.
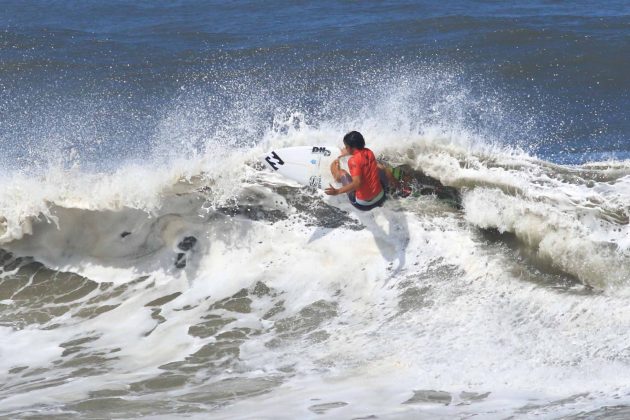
<point x="354" y="139"/>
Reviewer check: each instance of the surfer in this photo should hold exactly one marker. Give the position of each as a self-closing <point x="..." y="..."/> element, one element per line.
<point x="367" y="181"/>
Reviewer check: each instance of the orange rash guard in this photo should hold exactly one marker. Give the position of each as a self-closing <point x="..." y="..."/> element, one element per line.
<point x="363" y="163"/>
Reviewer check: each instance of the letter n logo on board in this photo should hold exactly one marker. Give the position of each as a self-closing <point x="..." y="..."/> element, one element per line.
<point x="277" y="159"/>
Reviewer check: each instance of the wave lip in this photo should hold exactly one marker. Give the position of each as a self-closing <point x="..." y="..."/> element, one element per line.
<point x="585" y="246"/>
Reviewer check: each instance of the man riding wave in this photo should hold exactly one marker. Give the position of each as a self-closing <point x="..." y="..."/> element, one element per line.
<point x="367" y="182"/>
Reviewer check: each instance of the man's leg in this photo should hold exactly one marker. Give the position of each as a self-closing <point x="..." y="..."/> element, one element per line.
<point x="385" y="174"/>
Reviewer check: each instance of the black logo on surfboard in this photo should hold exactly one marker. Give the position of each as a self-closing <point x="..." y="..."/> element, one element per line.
<point x="277" y="159"/>
<point x="321" y="150"/>
<point x="315" y="181"/>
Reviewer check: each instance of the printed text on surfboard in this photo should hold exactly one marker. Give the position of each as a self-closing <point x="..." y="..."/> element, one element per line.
<point x="322" y="150"/>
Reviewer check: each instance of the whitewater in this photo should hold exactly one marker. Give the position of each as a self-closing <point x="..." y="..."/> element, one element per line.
<point x="289" y="298"/>
<point x="150" y="266"/>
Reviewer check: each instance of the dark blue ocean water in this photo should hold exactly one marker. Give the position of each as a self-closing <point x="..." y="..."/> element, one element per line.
<point x="94" y="82"/>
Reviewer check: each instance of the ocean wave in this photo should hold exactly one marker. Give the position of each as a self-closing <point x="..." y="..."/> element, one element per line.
<point x="575" y="218"/>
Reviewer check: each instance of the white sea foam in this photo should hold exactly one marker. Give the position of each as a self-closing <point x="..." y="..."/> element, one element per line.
<point x="406" y="310"/>
<point x="467" y="333"/>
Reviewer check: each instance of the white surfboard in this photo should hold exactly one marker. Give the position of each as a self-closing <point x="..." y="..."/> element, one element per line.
<point x="307" y="165"/>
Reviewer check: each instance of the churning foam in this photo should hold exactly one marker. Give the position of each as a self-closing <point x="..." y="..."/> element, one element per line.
<point x="404" y="310"/>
